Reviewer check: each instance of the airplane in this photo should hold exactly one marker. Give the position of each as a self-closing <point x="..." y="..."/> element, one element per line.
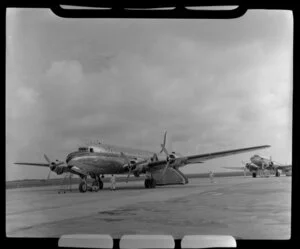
<point x="258" y="164"/>
<point x="102" y="159"/>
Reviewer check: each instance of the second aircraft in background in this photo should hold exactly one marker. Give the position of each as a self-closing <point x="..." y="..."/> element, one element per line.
<point x="260" y="165"/>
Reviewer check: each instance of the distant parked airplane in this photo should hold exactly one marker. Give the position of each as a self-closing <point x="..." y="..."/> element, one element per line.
<point x="259" y="164"/>
<point x="102" y="159"/>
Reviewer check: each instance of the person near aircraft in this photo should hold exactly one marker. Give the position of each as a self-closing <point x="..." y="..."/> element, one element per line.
<point x="113" y="182"/>
<point x="211" y="176"/>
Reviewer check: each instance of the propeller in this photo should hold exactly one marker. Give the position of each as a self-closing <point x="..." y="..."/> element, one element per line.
<point x="52" y="165"/>
<point x="163" y="149"/>
<point x="129" y="165"/>
<point x="47" y="159"/>
<point x="165" y="169"/>
<point x="168" y="159"/>
<point x="163" y="145"/>
<point x="48" y="177"/>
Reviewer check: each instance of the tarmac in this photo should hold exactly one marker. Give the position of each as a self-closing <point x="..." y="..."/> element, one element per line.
<point x="244" y="207"/>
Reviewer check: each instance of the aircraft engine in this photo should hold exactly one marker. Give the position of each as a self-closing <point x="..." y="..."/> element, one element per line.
<point x="58" y="170"/>
<point x="248" y="166"/>
<point x="139" y="169"/>
<point x="136" y="174"/>
<point x="172" y="157"/>
<point x="132" y="163"/>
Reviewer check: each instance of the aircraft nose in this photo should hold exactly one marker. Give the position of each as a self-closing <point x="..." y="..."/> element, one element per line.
<point x="70" y="156"/>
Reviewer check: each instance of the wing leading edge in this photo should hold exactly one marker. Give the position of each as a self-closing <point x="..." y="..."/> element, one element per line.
<point x="208" y="156"/>
<point x="34" y="164"/>
<point x="181" y="161"/>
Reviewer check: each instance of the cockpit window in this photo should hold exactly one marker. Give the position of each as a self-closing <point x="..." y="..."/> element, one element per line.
<point x="82" y="149"/>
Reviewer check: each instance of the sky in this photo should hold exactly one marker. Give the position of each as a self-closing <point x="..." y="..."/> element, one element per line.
<point x="212" y="84"/>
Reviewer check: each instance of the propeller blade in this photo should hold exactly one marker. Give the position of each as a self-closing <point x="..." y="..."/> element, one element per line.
<point x="165" y="169"/>
<point x="165" y="138"/>
<point x="47" y="159"/>
<point x="128" y="174"/>
<point x="163" y="145"/>
<point x="48" y="175"/>
<point x="166" y="152"/>
<point x="128" y="163"/>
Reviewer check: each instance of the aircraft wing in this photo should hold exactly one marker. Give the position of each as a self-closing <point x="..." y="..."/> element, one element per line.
<point x="200" y="158"/>
<point x="208" y="156"/>
<point x="234" y="168"/>
<point x="283" y="167"/>
<point x="34" y="164"/>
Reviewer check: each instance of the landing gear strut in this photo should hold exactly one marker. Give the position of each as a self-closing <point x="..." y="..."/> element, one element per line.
<point x="97" y="184"/>
<point x="150" y="183"/>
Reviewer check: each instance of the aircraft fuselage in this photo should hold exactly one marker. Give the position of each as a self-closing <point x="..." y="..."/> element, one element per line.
<point x="106" y="159"/>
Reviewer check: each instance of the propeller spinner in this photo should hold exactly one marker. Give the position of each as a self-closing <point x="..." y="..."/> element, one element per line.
<point x="53" y="166"/>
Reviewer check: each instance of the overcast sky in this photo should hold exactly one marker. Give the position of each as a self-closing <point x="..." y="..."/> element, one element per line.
<point x="212" y="84"/>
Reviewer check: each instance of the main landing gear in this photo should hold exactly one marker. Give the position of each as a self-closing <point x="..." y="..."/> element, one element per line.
<point x="97" y="184"/>
<point x="253" y="174"/>
<point x="150" y="183"/>
<point x="277" y="173"/>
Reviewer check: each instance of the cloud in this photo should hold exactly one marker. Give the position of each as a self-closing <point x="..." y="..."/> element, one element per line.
<point x="70" y="71"/>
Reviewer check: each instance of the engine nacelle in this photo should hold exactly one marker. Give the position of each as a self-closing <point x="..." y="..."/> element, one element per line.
<point x="172" y="157"/>
<point x="139" y="169"/>
<point x="251" y="167"/>
<point x="133" y="163"/>
<point x="59" y="170"/>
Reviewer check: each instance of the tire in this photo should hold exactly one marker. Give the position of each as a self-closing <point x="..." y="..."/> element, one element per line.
<point x="82" y="187"/>
<point x="100" y="184"/>
<point x="152" y="183"/>
<point x="96" y="184"/>
<point x="146" y="183"/>
<point x="254" y="174"/>
<point x="277" y="174"/>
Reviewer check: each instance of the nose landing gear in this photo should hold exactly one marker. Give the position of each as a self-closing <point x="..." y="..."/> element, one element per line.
<point x="97" y="184"/>
<point x="83" y="187"/>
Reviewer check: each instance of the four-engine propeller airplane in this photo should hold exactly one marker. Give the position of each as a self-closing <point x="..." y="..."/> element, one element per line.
<point x="102" y="159"/>
<point x="259" y="164"/>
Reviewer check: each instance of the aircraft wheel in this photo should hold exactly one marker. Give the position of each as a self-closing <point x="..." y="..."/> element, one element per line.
<point x="277" y="174"/>
<point x="254" y="174"/>
<point x="152" y="183"/>
<point x="146" y="183"/>
<point x="95" y="185"/>
<point x="100" y="184"/>
<point x="82" y="187"/>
